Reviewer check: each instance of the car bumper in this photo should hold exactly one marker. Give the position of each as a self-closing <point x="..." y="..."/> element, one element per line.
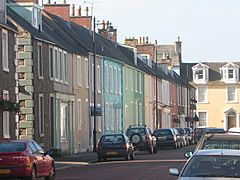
<point x="112" y="153"/>
<point x="17" y="171"/>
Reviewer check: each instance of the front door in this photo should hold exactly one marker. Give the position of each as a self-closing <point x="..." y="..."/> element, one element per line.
<point x="232" y="121"/>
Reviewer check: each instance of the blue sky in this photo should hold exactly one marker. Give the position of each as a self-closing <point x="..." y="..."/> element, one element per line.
<point x="209" y="29"/>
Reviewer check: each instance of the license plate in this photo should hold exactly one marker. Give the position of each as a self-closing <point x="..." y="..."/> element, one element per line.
<point x="5" y="171"/>
<point x="112" y="153"/>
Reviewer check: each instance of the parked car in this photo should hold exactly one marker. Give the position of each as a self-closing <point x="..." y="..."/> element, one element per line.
<point x="198" y="132"/>
<point x="234" y="130"/>
<point x="183" y="136"/>
<point x="142" y="139"/>
<point x="217" y="141"/>
<point x="189" y="133"/>
<point x="167" y="137"/>
<point x="210" y="164"/>
<point x="25" y="159"/>
<point x="213" y="130"/>
<point x="115" y="145"/>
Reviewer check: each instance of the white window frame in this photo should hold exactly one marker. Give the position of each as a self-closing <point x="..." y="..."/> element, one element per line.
<point x="79" y="114"/>
<point x="111" y="78"/>
<point x="51" y="63"/>
<point x="79" y="69"/>
<point x="63" y="121"/>
<point x="86" y="73"/>
<point x="203" y="111"/>
<point x="35" y="17"/>
<point x="40" y="61"/>
<point x="119" y="82"/>
<point x="6" y="126"/>
<point x="115" y="80"/>
<point x="136" y="81"/>
<point x="5" y="60"/>
<point x="106" y="78"/>
<point x="205" y="94"/>
<point x="41" y="115"/>
<point x="65" y="67"/>
<point x="140" y="83"/>
<point x="60" y="52"/>
<point x="235" y="94"/>
<point x="55" y="62"/>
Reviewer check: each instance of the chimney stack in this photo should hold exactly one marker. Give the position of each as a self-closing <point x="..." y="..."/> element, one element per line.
<point x="143" y="40"/>
<point x="87" y="11"/>
<point x="73" y="10"/>
<point x="79" y="11"/>
<point x="147" y="40"/>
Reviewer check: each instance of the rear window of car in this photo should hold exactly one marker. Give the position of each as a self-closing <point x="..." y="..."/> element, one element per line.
<point x="12" y="147"/>
<point x="132" y="131"/>
<point x="221" y="144"/>
<point x="112" y="139"/>
<point x="164" y="132"/>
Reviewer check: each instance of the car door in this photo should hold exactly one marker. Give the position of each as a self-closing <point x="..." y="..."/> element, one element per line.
<point x="45" y="160"/>
<point x="37" y="159"/>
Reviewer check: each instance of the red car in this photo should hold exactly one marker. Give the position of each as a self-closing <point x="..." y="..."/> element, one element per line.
<point x="25" y="159"/>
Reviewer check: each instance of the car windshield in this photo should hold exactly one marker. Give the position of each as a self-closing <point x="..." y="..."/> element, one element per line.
<point x="113" y="139"/>
<point x="163" y="133"/>
<point x="214" y="130"/>
<point x="132" y="131"/>
<point x="180" y="130"/>
<point x="221" y="144"/>
<point x="12" y="147"/>
<point x="212" y="166"/>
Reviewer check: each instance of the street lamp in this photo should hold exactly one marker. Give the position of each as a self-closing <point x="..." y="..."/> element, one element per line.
<point x="94" y="89"/>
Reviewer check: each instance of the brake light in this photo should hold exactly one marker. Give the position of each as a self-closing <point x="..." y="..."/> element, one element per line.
<point x="147" y="138"/>
<point x="99" y="146"/>
<point x="124" y="146"/>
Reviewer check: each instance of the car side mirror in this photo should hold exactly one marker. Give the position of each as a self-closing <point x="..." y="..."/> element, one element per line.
<point x="188" y="154"/>
<point x="173" y="171"/>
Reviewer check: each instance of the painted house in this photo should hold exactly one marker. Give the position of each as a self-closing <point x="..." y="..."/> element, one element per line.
<point x="8" y="77"/>
<point x="216" y="83"/>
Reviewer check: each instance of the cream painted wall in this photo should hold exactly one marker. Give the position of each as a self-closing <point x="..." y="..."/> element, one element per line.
<point x="217" y="105"/>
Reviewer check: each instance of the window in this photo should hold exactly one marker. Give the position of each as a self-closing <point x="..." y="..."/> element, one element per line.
<point x="86" y="73"/>
<point x="5" y="50"/>
<point x="230" y="73"/>
<point x="119" y="82"/>
<point x="98" y="79"/>
<point x="199" y="74"/>
<point x="56" y="63"/>
<point x="60" y="66"/>
<point x="65" y="67"/>
<point x="115" y="80"/>
<point x="51" y="63"/>
<point x="6" y="127"/>
<point x="202" y="118"/>
<point x="79" y="69"/>
<point x="34" y="17"/>
<point x="79" y="114"/>
<point x="41" y="115"/>
<point x="63" y="120"/>
<point x="140" y="83"/>
<point x="136" y="81"/>
<point x="202" y="94"/>
<point x="231" y="93"/>
<point x="111" y="78"/>
<point x="40" y="61"/>
<point x="106" y="78"/>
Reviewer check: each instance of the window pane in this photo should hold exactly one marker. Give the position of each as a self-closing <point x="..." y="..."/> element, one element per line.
<point x="202" y="118"/>
<point x="231" y="93"/>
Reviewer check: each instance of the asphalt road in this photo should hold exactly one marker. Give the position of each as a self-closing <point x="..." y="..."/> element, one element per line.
<point x="145" y="166"/>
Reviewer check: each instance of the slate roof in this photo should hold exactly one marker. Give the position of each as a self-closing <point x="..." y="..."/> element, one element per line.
<point x="214" y="72"/>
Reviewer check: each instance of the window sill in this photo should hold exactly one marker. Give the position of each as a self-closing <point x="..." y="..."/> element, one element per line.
<point x="232" y="102"/>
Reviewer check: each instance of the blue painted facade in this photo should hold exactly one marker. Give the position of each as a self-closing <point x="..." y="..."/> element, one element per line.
<point x="112" y="93"/>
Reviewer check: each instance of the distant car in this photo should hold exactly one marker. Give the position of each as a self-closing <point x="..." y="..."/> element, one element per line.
<point x="183" y="136"/>
<point x="217" y="164"/>
<point x="142" y="139"/>
<point x="234" y="130"/>
<point x="25" y="159"/>
<point x="167" y="137"/>
<point x="217" y="141"/>
<point x="213" y="130"/>
<point x="115" y="145"/>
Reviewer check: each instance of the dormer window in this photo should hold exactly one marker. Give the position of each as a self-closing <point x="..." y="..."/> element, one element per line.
<point x="200" y="73"/>
<point x="229" y="73"/>
<point x="3" y="11"/>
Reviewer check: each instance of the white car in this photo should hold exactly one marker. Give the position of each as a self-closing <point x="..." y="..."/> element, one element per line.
<point x="214" y="164"/>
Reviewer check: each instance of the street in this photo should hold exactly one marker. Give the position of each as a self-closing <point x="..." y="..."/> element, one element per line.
<point x="145" y="166"/>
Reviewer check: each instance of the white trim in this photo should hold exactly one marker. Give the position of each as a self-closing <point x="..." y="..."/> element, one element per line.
<point x="98" y="79"/>
<point x="51" y="63"/>
<point x="40" y="61"/>
<point x="86" y="73"/>
<point x="60" y="53"/>
<point x="55" y="60"/>
<point x="5" y="63"/>
<point x="41" y="115"/>
<point x="65" y="67"/>
<point x="79" y="70"/>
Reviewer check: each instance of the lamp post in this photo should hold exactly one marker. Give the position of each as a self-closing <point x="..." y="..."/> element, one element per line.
<point x="156" y="89"/>
<point x="94" y="88"/>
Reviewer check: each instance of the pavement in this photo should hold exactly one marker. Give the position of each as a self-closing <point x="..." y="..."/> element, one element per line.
<point x="68" y="161"/>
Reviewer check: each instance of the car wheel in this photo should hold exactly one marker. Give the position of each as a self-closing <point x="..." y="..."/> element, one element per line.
<point x="132" y="156"/>
<point x="150" y="150"/>
<point x="135" y="138"/>
<point x="99" y="158"/>
<point x="33" y="175"/>
<point x="155" y="149"/>
<point x="52" y="173"/>
<point x="104" y="159"/>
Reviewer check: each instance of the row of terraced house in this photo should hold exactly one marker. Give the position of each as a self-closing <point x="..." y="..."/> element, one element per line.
<point x="47" y="78"/>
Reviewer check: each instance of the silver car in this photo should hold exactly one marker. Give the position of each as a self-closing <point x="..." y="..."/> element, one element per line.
<point x="214" y="164"/>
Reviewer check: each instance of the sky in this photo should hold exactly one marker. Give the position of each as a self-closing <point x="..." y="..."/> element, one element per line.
<point x="209" y="29"/>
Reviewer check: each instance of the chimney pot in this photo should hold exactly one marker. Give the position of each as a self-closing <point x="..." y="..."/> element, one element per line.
<point x="79" y="11"/>
<point x="73" y="10"/>
<point x="87" y="10"/>
<point x="143" y="40"/>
